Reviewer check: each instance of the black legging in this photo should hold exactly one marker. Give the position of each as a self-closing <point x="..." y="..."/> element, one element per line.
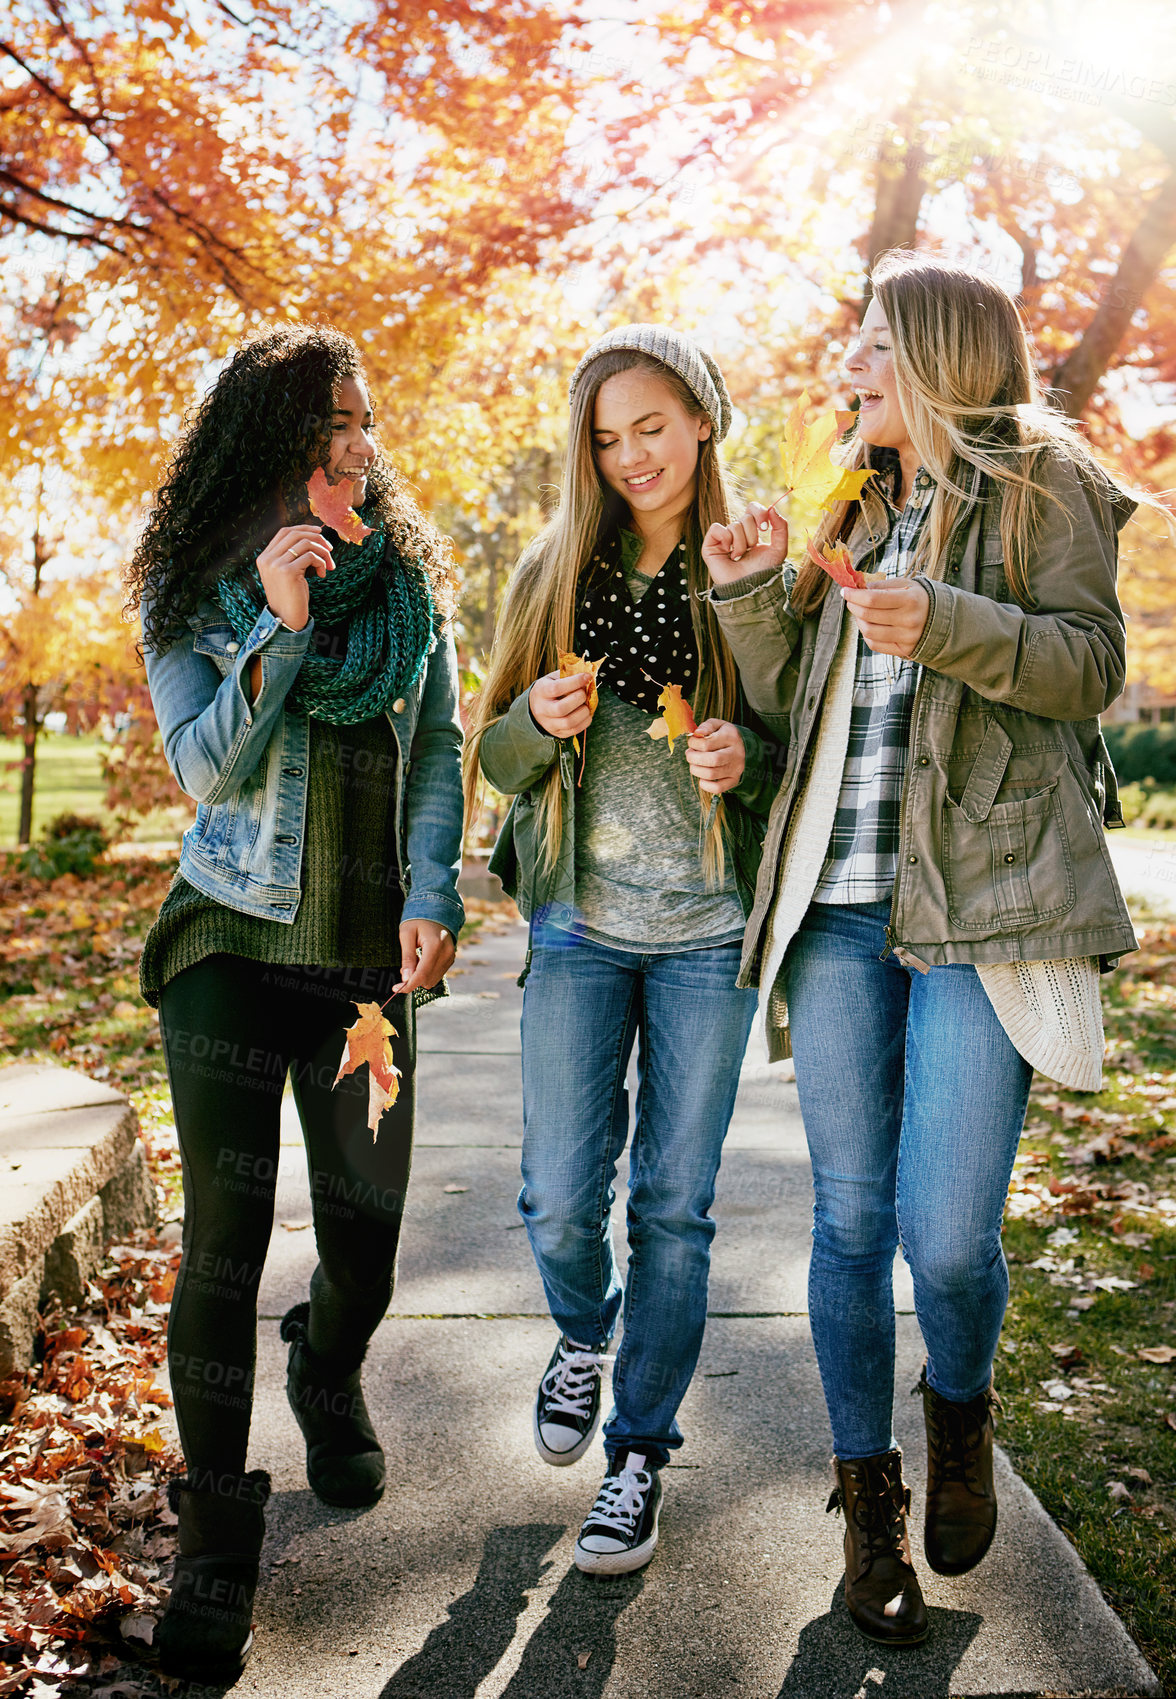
<point x="232" y="1029"/>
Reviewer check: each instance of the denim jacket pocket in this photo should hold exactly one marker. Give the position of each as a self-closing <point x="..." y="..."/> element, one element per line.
<point x="1012" y="868"/>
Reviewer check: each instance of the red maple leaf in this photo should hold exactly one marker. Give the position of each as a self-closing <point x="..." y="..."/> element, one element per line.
<point x="332" y="504"/>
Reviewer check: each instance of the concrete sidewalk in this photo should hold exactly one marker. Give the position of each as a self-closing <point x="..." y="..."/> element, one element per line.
<point x="460" y="1584"/>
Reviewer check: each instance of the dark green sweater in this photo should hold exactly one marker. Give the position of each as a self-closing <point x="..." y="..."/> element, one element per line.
<point x="351" y="895"/>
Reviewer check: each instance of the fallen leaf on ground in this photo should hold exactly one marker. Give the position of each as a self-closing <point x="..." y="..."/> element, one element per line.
<point x="582" y="1660"/>
<point x="1066" y="1356"/>
<point x="367" y="1041"/>
<point x="1157" y="1354"/>
<point x="455" y="1188"/>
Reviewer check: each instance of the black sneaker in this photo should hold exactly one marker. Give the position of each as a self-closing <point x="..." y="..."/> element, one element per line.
<point x="621" y="1532"/>
<point x="567" y="1404"/>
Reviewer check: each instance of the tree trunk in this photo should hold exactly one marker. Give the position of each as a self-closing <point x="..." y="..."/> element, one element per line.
<point x="1081" y="371"/>
<point x="28" y="766"/>
<point x="490" y="616"/>
<point x="899" y="187"/>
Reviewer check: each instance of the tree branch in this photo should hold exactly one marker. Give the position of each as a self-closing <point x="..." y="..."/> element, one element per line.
<point x="1081" y="371"/>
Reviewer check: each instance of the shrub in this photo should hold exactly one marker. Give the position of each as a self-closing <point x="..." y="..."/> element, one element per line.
<point x="71" y="843"/>
<point x="1142" y="752"/>
<point x="1133" y="801"/>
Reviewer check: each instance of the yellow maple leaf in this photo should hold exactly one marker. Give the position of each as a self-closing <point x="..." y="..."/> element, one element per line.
<point x="677" y="719"/>
<point x="367" y="1041"/>
<point x="569" y="665"/>
<point x="810" y="475"/>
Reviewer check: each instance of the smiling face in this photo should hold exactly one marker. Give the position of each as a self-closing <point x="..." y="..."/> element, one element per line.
<point x="352" y="450"/>
<point x="870" y="366"/>
<point x="646" y="445"/>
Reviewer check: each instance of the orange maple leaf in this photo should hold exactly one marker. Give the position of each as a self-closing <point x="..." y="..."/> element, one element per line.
<point x="836" y="560"/>
<point x="569" y="665"/>
<point x="809" y="472"/>
<point x="677" y="719"/>
<point x="332" y="504"/>
<point x="367" y="1041"/>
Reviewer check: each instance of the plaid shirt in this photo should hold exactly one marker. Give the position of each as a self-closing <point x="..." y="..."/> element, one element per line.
<point x="862" y="858"/>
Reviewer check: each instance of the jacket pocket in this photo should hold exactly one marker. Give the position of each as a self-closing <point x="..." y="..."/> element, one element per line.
<point x="1010" y="869"/>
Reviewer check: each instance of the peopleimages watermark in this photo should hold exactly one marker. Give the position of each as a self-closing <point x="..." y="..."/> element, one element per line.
<point x="1041" y="70"/>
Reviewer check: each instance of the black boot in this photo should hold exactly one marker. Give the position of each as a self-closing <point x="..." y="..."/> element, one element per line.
<point x="206" y="1633"/>
<point x="344" y="1462"/>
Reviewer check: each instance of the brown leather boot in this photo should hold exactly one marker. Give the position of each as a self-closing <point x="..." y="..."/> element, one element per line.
<point x="881" y="1587"/>
<point x="961" y="1494"/>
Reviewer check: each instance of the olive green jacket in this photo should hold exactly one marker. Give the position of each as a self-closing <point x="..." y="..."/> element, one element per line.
<point x="516" y="756"/>
<point x="1002" y="855"/>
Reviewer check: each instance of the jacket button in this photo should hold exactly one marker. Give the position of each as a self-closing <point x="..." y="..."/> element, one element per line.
<point x="912" y="859"/>
<point x="285" y="838"/>
<point x="292" y="772"/>
<point x="1010" y="857"/>
<point x="398" y="705"/>
<point x="232" y="648"/>
<point x="924" y="760"/>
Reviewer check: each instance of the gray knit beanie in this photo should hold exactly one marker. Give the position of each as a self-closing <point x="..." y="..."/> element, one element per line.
<point x="696" y="368"/>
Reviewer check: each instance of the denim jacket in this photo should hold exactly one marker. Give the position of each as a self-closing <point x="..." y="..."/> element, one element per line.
<point x="245" y="764"/>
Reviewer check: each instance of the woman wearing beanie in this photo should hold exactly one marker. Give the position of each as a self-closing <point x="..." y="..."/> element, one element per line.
<point x="936" y="898"/>
<point x="306" y="692"/>
<point x="636" y="880"/>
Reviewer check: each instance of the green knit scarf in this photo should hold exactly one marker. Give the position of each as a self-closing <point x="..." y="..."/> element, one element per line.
<point x="387" y="611"/>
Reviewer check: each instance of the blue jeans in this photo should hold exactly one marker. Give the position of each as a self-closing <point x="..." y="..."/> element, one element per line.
<point x="583" y="1007"/>
<point x="913" y="1099"/>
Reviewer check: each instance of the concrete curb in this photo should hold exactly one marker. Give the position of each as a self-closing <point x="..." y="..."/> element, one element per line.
<point x="74" y="1178"/>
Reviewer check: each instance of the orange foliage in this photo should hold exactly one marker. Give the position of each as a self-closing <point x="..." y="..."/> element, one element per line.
<point x="332" y="504"/>
<point x="367" y="1041"/>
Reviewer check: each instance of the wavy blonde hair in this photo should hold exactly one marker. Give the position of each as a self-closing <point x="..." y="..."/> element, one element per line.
<point x="539" y="613"/>
<point x="972" y="404"/>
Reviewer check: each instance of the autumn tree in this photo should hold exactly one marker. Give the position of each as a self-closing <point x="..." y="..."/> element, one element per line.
<point x="63" y="647"/>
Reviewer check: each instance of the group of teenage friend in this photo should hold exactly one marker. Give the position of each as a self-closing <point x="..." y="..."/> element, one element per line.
<point x="886" y="835"/>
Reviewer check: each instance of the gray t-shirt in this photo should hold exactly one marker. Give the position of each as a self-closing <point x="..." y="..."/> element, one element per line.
<point x="640" y="883"/>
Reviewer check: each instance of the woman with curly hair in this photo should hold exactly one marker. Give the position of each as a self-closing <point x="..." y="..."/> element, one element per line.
<point x="306" y="692"/>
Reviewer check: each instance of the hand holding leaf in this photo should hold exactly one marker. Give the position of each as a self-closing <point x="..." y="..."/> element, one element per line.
<point x="570" y="666"/>
<point x="367" y="1041"/>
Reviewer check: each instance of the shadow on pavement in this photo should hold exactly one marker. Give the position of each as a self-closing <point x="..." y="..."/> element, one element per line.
<point x="582" y="1619"/>
<point x="460" y="1653"/>
<point x="835" y="1661"/>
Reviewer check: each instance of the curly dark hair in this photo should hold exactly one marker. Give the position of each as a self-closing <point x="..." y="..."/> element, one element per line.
<point x="238" y="473"/>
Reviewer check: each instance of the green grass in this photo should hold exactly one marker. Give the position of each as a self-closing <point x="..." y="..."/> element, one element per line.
<point x="69" y="780"/>
<point x="1102" y="1170"/>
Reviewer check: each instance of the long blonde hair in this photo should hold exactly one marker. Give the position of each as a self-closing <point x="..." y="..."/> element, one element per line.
<point x="973" y="405"/>
<point x="538" y="617"/>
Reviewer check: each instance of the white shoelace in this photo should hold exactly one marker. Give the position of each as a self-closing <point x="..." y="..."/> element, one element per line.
<point x="621" y="1499"/>
<point x="567" y="1388"/>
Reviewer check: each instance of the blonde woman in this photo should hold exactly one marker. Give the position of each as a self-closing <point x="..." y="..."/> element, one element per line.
<point x="636" y="881"/>
<point x="936" y="899"/>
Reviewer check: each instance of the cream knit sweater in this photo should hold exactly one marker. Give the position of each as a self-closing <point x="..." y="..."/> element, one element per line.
<point x="1051" y="1011"/>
